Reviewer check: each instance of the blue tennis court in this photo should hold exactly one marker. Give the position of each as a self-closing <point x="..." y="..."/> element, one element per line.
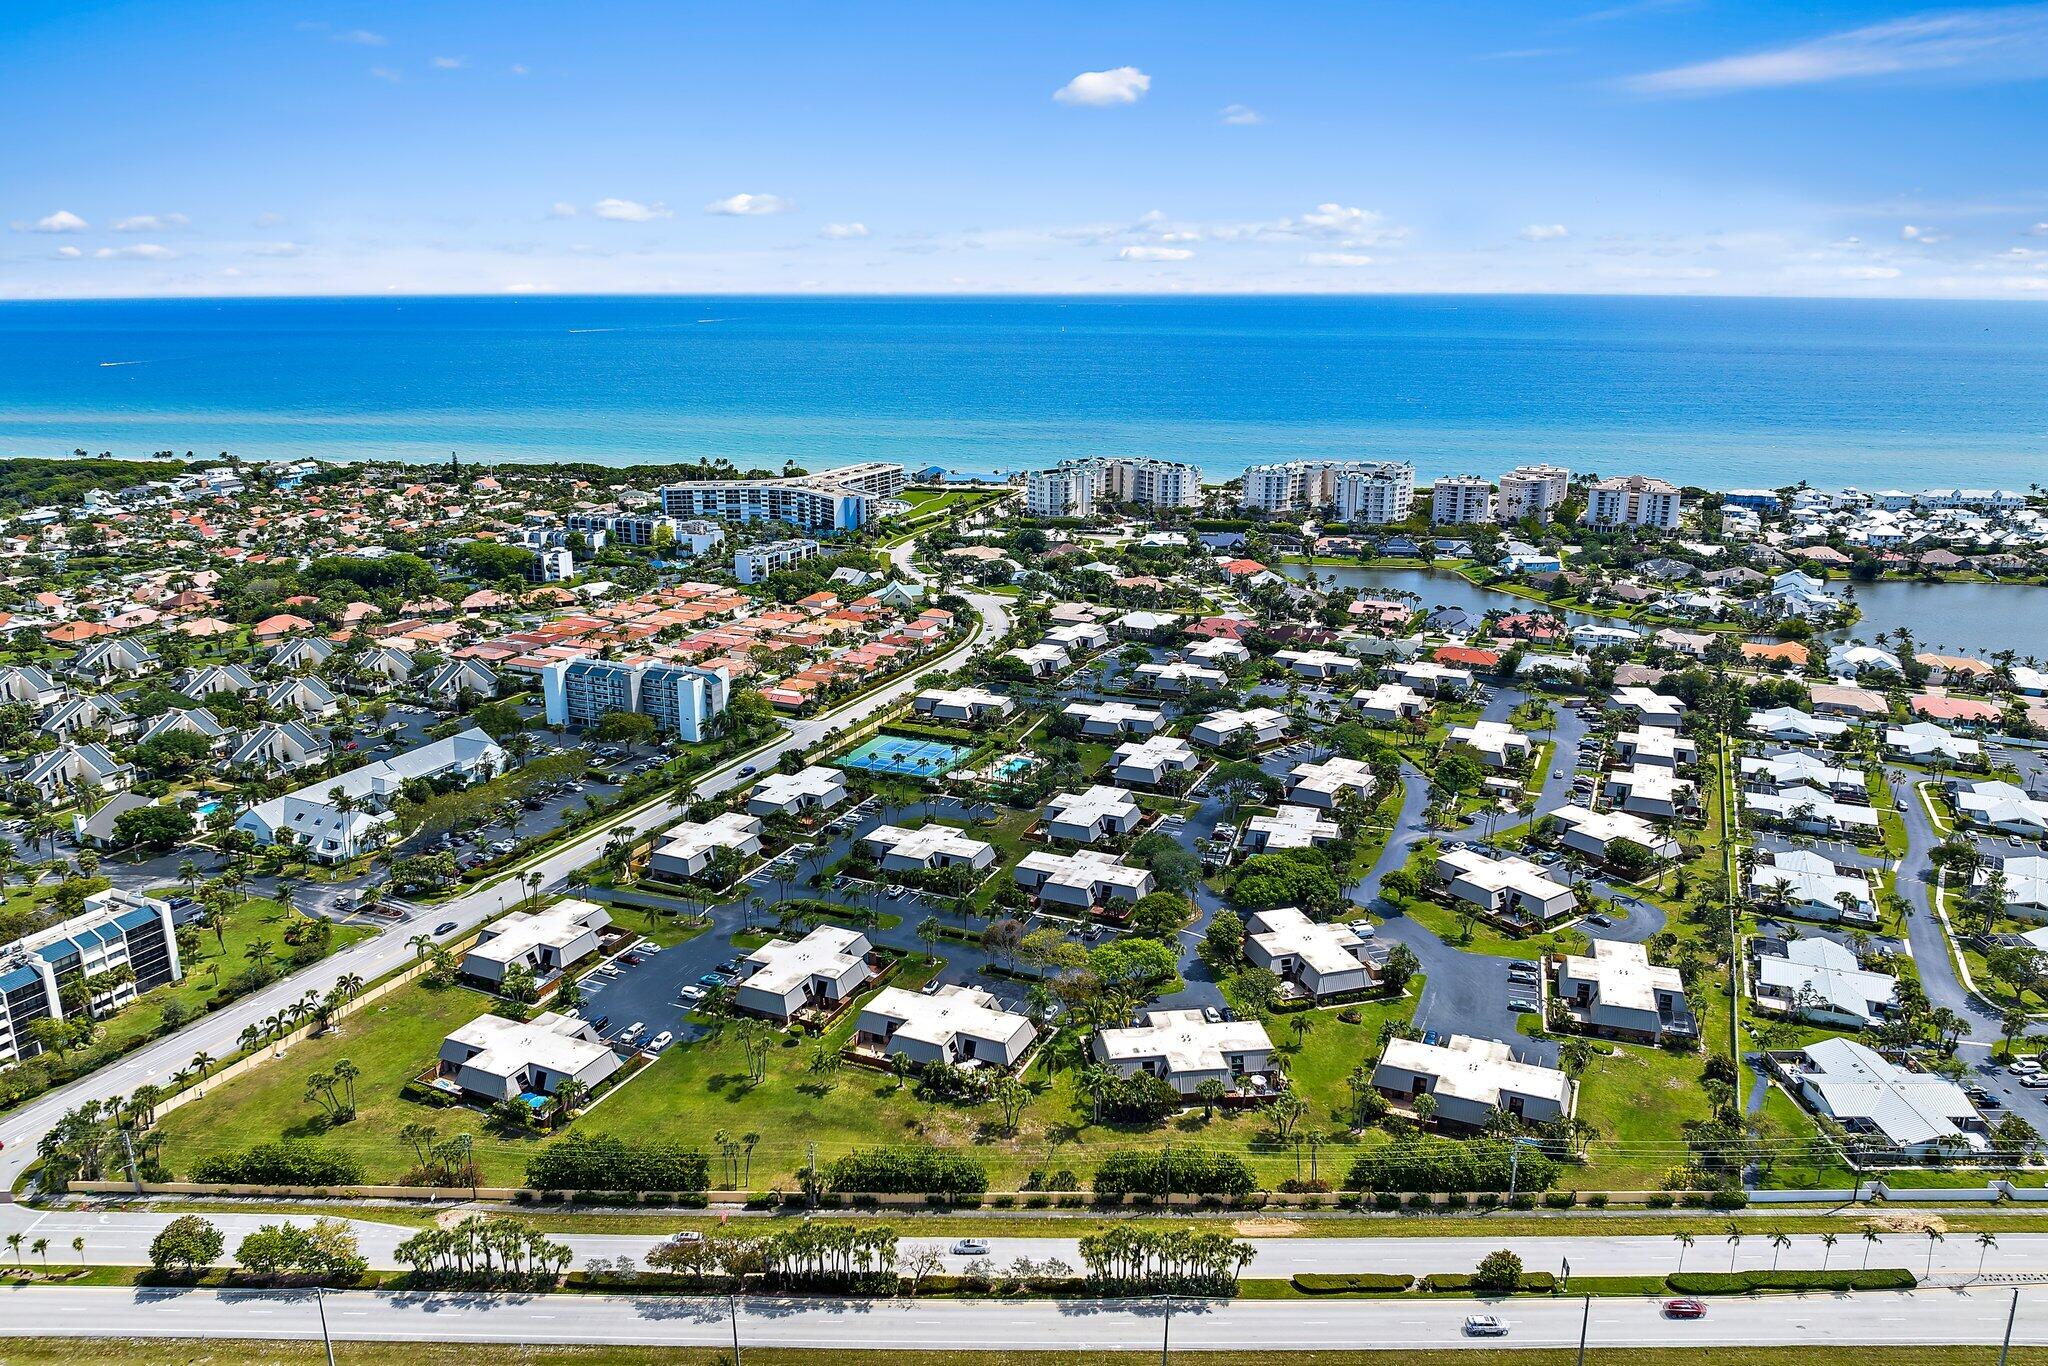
<point x="900" y="754"/>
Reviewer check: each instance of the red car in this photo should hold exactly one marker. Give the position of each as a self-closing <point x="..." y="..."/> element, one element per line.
<point x="1685" y="1309"/>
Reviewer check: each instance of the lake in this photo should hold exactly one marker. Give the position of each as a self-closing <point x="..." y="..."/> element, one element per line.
<point x="1948" y="618"/>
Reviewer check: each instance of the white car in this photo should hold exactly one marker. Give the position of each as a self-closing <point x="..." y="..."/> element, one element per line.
<point x="662" y="1040"/>
<point x="691" y="994"/>
<point x="971" y="1247"/>
<point x="1484" y="1326"/>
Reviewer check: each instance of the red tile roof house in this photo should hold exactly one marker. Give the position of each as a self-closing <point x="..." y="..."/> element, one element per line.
<point x="1966" y="711"/>
<point x="283" y="624"/>
<point x="1466" y="656"/>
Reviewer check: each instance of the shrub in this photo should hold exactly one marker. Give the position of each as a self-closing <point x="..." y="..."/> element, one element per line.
<point x="1597" y="1200"/>
<point x="1531" y="1283"/>
<point x="1728" y="1199"/>
<point x="921" y="1167"/>
<point x="1560" y="1199"/>
<point x="293" y="1162"/>
<point x="1661" y="1200"/>
<point x="588" y="1162"/>
<point x="1499" y="1271"/>
<point x="1422" y="1163"/>
<point x="1745" y="1282"/>
<point x="1349" y="1282"/>
<point x="1187" y="1171"/>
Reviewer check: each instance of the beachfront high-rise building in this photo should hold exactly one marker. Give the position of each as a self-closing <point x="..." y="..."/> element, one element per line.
<point x="1633" y="500"/>
<point x="1377" y="491"/>
<point x="1116" y="479"/>
<point x="1461" y="500"/>
<point x="1064" y="492"/>
<point x="841" y="499"/>
<point x="1533" y="491"/>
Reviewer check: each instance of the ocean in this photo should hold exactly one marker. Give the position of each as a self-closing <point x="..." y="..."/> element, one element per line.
<point x="1722" y="393"/>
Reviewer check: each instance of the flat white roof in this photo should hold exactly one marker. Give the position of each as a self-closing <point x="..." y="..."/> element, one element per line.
<point x="1477" y="1070"/>
<point x="1327" y="947"/>
<point x="952" y="1010"/>
<point x="726" y="830"/>
<point x="1624" y="976"/>
<point x="1184" y="1041"/>
<point x="550" y="1040"/>
<point x="828" y="951"/>
<point x="1090" y="805"/>
<point x="556" y="927"/>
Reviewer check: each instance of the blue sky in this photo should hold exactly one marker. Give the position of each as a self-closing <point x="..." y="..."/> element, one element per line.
<point x="184" y="147"/>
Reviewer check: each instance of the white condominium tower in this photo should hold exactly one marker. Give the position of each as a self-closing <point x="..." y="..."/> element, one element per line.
<point x="1636" y="500"/>
<point x="1533" y="491"/>
<point x="1070" y="490"/>
<point x="1360" y="490"/>
<point x="840" y="499"/>
<point x="1461" y="500"/>
<point x="1063" y="492"/>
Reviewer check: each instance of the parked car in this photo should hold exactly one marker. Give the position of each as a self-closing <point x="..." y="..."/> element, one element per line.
<point x="712" y="979"/>
<point x="1212" y="1014"/>
<point x="662" y="1040"/>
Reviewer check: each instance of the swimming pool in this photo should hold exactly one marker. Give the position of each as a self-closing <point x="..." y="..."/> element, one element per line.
<point x="207" y="808"/>
<point x="900" y="754"/>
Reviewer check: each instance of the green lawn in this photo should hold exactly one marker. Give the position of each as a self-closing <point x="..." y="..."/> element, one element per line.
<point x="1639" y="1100"/>
<point x="693" y="1093"/>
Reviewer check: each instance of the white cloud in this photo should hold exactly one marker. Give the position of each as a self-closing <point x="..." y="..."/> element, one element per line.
<point x="1924" y="236"/>
<point x="1154" y="254"/>
<point x="69" y="253"/>
<point x="277" y="249"/>
<point x="1870" y="272"/>
<point x="361" y="37"/>
<point x="269" y="220"/>
<point x="1983" y="43"/>
<point x="519" y="69"/>
<point x="385" y="73"/>
<point x="1241" y="115"/>
<point x="840" y="232"/>
<point x="61" y="221"/>
<point x="562" y="208"/>
<point x="141" y="251"/>
<point x="1544" y="232"/>
<point x="449" y="63"/>
<point x="1357" y="227"/>
<point x="1118" y="85"/>
<point x="2038" y="230"/>
<point x="152" y="222"/>
<point x="749" y="205"/>
<point x="1336" y="258"/>
<point x="630" y="211"/>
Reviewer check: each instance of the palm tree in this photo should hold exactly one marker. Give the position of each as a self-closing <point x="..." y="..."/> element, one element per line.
<point x="14" y="1246"/>
<point x="1827" y="1249"/>
<point x="1779" y="1242"/>
<point x="78" y="1251"/>
<point x="200" y="1062"/>
<point x="41" y="1247"/>
<point x="1985" y="1242"/>
<point x="1734" y="1244"/>
<point x="1685" y="1242"/>
<point x="1933" y="1236"/>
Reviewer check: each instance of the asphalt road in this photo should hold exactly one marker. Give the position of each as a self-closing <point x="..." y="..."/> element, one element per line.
<point x="1933" y="1319"/>
<point x="122" y="1238"/>
<point x="218" y="1033"/>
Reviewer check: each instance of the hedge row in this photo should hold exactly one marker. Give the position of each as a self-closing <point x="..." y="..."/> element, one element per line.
<point x="1533" y="1282"/>
<point x="1743" y="1282"/>
<point x="1352" y="1282"/>
<point x="605" y="1162"/>
<point x="1185" y="1171"/>
<point x="919" y="1168"/>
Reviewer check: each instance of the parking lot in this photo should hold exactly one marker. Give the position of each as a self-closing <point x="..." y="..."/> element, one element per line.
<point x="636" y="996"/>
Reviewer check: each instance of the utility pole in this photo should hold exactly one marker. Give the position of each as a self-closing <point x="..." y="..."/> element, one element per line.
<point x="2005" y="1348"/>
<point x="811" y="1185"/>
<point x="1585" y="1317"/>
<point x="1166" y="1331"/>
<point x="128" y="1148"/>
<point x="732" y="1309"/>
<point x="320" y="1298"/>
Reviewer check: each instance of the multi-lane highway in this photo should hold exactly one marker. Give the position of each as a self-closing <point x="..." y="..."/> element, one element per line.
<point x="1945" y="1318"/>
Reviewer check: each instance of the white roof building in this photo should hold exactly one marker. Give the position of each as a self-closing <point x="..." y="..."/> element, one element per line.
<point x="1812" y="885"/>
<point x="825" y="967"/>
<point x="1795" y="768"/>
<point x="962" y="704"/>
<point x="1619" y="991"/>
<point x="1428" y="676"/>
<point x="1391" y="703"/>
<point x="1821" y="981"/>
<point x="1647" y="790"/>
<point x="928" y="846"/>
<point x="1323" y="959"/>
<point x="810" y="789"/>
<point x="1083" y="879"/>
<point x="1794" y="726"/>
<point x="1115" y="718"/>
<point x="2026" y="884"/>
<point x="545" y="941"/>
<point x="1151" y="761"/>
<point x="1658" y="747"/>
<point x="1324" y="784"/>
<point x="309" y="819"/>
<point x="1916" y="1112"/>
<point x="1590" y="832"/>
<point x="1319" y="663"/>
<point x="1813" y="811"/>
<point x="1497" y="743"/>
<point x="1471" y="1078"/>
<point x="1651" y="708"/>
<point x="1924" y="739"/>
<point x="687" y="849"/>
<point x="957" y="1024"/>
<point x="1265" y="724"/>
<point x="495" y="1059"/>
<point x="1181" y="675"/>
<point x="1041" y="660"/>
<point x="1185" y="1050"/>
<point x="1091" y="814"/>
<point x="2001" y="806"/>
<point x="1510" y="888"/>
<point x="1289" y="827"/>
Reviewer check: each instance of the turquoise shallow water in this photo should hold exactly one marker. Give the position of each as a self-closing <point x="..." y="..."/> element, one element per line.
<point x="1722" y="393"/>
